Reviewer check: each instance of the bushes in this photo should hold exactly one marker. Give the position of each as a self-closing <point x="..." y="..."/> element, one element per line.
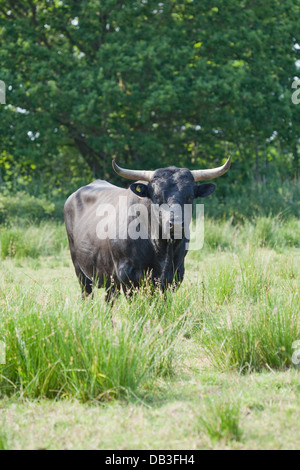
<point x="245" y="200"/>
<point x="46" y="239"/>
<point x="23" y="206"/>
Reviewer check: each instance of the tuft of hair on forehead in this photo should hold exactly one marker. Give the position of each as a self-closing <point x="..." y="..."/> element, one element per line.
<point x="172" y="173"/>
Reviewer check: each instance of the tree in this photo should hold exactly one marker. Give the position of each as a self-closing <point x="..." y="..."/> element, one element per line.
<point x="147" y="82"/>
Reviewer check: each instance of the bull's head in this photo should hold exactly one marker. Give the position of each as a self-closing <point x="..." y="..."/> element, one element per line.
<point x="172" y="188"/>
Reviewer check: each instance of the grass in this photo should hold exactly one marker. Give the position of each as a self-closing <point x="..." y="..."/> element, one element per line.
<point x="75" y="349"/>
<point x="3" y="441"/>
<point x="49" y="238"/>
<point x="209" y="366"/>
<point x="221" y="420"/>
<point x="252" y="303"/>
<point x="264" y="232"/>
<point x="32" y="241"/>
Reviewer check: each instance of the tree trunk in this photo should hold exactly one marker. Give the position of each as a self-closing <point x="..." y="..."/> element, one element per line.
<point x="91" y="158"/>
<point x="257" y="172"/>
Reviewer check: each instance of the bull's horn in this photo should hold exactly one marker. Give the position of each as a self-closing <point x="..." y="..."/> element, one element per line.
<point x="201" y="175"/>
<point x="132" y="174"/>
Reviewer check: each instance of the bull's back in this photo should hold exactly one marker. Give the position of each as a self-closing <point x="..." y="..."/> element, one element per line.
<point x="80" y="209"/>
<point x="81" y="220"/>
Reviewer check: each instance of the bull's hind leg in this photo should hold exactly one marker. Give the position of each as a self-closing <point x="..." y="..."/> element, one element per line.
<point x="85" y="283"/>
<point x="112" y="290"/>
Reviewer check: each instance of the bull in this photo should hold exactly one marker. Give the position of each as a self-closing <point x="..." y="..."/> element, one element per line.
<point x="115" y="247"/>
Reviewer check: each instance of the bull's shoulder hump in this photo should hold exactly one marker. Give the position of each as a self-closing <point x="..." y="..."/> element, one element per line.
<point x="95" y="187"/>
<point x="99" y="185"/>
<point x="92" y="193"/>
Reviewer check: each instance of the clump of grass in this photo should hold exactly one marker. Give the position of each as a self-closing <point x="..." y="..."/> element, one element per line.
<point x="221" y="235"/>
<point x="274" y="232"/>
<point x="221" y="420"/>
<point x="75" y="351"/>
<point x="252" y="306"/>
<point x="269" y="232"/>
<point x="258" y="338"/>
<point x="32" y="241"/>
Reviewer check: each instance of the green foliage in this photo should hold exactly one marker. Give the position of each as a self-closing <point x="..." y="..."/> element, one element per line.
<point x="150" y="83"/>
<point x="272" y="232"/>
<point x="3" y="441"/>
<point x="32" y="241"/>
<point x="259" y="332"/>
<point x="77" y="350"/>
<point x="23" y="206"/>
<point x="221" y="420"/>
<point x="246" y="200"/>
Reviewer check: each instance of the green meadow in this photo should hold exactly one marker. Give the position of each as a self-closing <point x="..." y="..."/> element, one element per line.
<point x="211" y="366"/>
<point x="151" y="85"/>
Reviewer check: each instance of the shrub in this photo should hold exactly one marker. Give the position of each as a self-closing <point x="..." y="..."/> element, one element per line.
<point x="23" y="206"/>
<point x="32" y="241"/>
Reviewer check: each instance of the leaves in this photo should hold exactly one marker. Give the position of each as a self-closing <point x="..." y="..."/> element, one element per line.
<point x="150" y="83"/>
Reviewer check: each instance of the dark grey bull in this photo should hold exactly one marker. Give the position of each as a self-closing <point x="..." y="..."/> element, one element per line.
<point x="99" y="217"/>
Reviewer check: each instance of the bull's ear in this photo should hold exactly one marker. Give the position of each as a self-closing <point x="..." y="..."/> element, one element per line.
<point x="204" y="190"/>
<point x="139" y="189"/>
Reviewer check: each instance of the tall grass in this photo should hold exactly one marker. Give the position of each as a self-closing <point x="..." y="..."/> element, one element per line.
<point x="255" y="339"/>
<point x="75" y="349"/>
<point x="241" y="200"/>
<point x="221" y="420"/>
<point x="48" y="238"/>
<point x="253" y="303"/>
<point x="268" y="232"/>
<point x="240" y="302"/>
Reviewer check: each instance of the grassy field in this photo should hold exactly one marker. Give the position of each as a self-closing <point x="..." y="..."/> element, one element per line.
<point x="208" y="367"/>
